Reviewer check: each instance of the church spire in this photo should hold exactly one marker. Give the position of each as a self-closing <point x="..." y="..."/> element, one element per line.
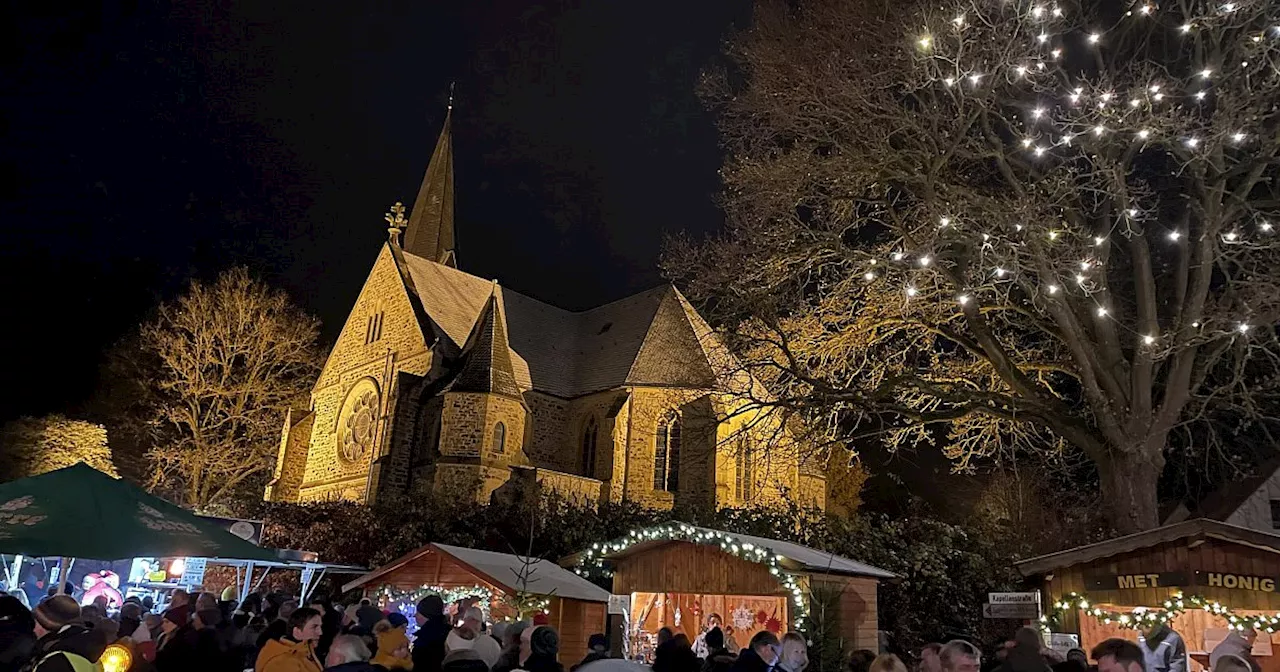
<point x="430" y="231"/>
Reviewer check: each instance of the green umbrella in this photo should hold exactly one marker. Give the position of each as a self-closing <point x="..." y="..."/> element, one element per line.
<point x="80" y="512"/>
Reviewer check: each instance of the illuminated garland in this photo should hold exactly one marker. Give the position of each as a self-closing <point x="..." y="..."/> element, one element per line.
<point x="1141" y="617"/>
<point x="592" y="561"/>
<point x="388" y="595"/>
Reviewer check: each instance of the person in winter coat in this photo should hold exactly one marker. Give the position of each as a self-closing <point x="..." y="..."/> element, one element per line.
<point x="393" y="650"/>
<point x="511" y="643"/>
<point x="196" y="647"/>
<point x="675" y="655"/>
<point x="719" y="657"/>
<point x="1163" y="650"/>
<point x="433" y="630"/>
<point x="463" y="660"/>
<point x="295" y="652"/>
<point x="279" y="626"/>
<point x="348" y="653"/>
<point x="544" y="650"/>
<point x="761" y="654"/>
<point x="17" y="634"/>
<point x="63" y="644"/>
<point x="1238" y="643"/>
<point x="1024" y="655"/>
<point x="597" y="649"/>
<point x="471" y="635"/>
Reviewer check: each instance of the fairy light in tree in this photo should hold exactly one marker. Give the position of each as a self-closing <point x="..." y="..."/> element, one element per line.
<point x="925" y="42"/>
<point x="925" y="260"/>
<point x="1192" y="142"/>
<point x="1053" y="289"/>
<point x="1175" y="235"/>
<point x="1243" y="328"/>
<point x="1185" y="28"/>
<point x="1144" y="134"/>
<point x="963" y="299"/>
<point x="869" y="276"/>
<point x="1206" y="72"/>
<point x="1149" y="339"/>
<point x="1102" y="311"/>
<point x="1094" y="38"/>
<point x="944" y="222"/>
<point x="1099" y="240"/>
<point x="1238" y="137"/>
<point x="1265" y="226"/>
<point x="911" y="290"/>
<point x="1080" y="279"/>
<point x="897" y="256"/>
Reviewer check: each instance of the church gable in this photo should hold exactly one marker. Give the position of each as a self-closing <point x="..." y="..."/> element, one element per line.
<point x="381" y="320"/>
<point x="671" y="354"/>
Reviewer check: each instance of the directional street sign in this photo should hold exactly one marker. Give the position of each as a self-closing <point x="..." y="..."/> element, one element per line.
<point x="1021" y="611"/>
<point x="1014" y="598"/>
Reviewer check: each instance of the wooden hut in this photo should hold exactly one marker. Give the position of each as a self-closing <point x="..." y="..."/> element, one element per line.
<point x="1203" y="561"/>
<point x="573" y="605"/>
<point x="678" y="575"/>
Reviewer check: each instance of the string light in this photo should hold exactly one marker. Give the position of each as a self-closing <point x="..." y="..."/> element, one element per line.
<point x="897" y="256"/>
<point x="1175" y="235"/>
<point x="1242" y="327"/>
<point x="1148" y="339"/>
<point x="1206" y="72"/>
<point x="925" y="260"/>
<point x="1144" y="134"/>
<point x="944" y="221"/>
<point x="1265" y="226"/>
<point x="925" y="42"/>
<point x="868" y="276"/>
<point x="1099" y="240"/>
<point x="1094" y="37"/>
<point x="911" y="290"/>
<point x="1192" y="142"/>
<point x="593" y="561"/>
<point x="1238" y="137"/>
<point x="1053" y="289"/>
<point x="963" y="299"/>
<point x="1185" y="28"/>
<point x="1102" y="312"/>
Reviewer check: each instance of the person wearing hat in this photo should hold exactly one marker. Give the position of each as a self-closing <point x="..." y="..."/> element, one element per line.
<point x="393" y="650"/>
<point x="597" y="649"/>
<point x="433" y="630"/>
<point x="64" y="644"/>
<point x="544" y="650"/>
<point x="470" y="635"/>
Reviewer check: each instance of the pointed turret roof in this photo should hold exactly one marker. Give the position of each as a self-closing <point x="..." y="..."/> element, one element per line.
<point x="430" y="231"/>
<point x="486" y="359"/>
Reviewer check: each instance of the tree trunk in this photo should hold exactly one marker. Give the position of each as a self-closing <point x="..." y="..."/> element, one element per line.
<point x="1129" y="490"/>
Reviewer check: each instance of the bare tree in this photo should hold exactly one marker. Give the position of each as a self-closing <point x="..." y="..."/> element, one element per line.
<point x="216" y="370"/>
<point x="1005" y="226"/>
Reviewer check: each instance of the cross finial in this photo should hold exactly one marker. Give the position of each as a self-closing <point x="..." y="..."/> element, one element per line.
<point x="396" y="222"/>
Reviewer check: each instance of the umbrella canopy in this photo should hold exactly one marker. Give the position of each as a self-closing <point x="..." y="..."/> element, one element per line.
<point x="81" y="512"/>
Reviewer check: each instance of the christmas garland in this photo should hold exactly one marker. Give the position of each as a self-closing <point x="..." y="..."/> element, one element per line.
<point x="592" y="561"/>
<point x="388" y="595"/>
<point x="1142" y="617"/>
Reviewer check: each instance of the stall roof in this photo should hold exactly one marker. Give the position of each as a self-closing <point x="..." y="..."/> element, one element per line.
<point x="501" y="569"/>
<point x="1198" y="529"/>
<point x="289" y="564"/>
<point x="798" y="557"/>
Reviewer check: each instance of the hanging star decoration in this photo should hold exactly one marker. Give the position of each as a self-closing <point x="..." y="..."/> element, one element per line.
<point x="1139" y="618"/>
<point x="592" y="562"/>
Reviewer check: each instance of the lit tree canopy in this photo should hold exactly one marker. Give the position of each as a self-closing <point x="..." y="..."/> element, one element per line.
<point x="1009" y="224"/>
<point x="215" y="372"/>
<point x="34" y="446"/>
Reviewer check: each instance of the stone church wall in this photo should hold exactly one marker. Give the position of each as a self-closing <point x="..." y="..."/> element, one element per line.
<point x="381" y="337"/>
<point x="467" y="423"/>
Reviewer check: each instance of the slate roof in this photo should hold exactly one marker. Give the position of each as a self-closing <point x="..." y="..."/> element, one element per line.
<point x="652" y="338"/>
<point x="487" y="362"/>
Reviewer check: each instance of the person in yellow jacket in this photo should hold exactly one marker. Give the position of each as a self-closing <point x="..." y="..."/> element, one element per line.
<point x="296" y="651"/>
<point x="393" y="650"/>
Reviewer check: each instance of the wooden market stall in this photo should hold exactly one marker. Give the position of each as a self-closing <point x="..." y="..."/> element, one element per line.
<point x="462" y="576"/>
<point x="1204" y="561"/>
<point x="677" y="575"/>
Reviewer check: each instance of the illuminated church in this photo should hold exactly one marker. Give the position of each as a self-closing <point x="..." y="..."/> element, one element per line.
<point x="441" y="380"/>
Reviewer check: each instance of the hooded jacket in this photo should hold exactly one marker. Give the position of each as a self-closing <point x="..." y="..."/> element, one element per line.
<point x="1164" y="652"/>
<point x="282" y="655"/>
<point x="68" y="649"/>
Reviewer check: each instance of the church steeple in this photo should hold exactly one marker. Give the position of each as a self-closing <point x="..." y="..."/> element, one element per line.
<point x="430" y="231"/>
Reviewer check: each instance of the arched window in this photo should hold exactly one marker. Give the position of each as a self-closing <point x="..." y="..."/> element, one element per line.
<point x="742" y="482"/>
<point x="589" y="433"/>
<point x="499" y="438"/>
<point x="666" y="454"/>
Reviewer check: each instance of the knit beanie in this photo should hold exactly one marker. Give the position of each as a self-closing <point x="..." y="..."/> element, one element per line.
<point x="56" y="612"/>
<point x="209" y="618"/>
<point x="544" y="641"/>
<point x="178" y="615"/>
<point x="431" y="605"/>
<point x="368" y="616"/>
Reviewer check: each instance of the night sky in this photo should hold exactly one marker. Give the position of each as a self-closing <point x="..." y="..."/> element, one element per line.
<point x="148" y="143"/>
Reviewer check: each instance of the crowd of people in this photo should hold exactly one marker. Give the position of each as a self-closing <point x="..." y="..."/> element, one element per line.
<point x="274" y="633"/>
